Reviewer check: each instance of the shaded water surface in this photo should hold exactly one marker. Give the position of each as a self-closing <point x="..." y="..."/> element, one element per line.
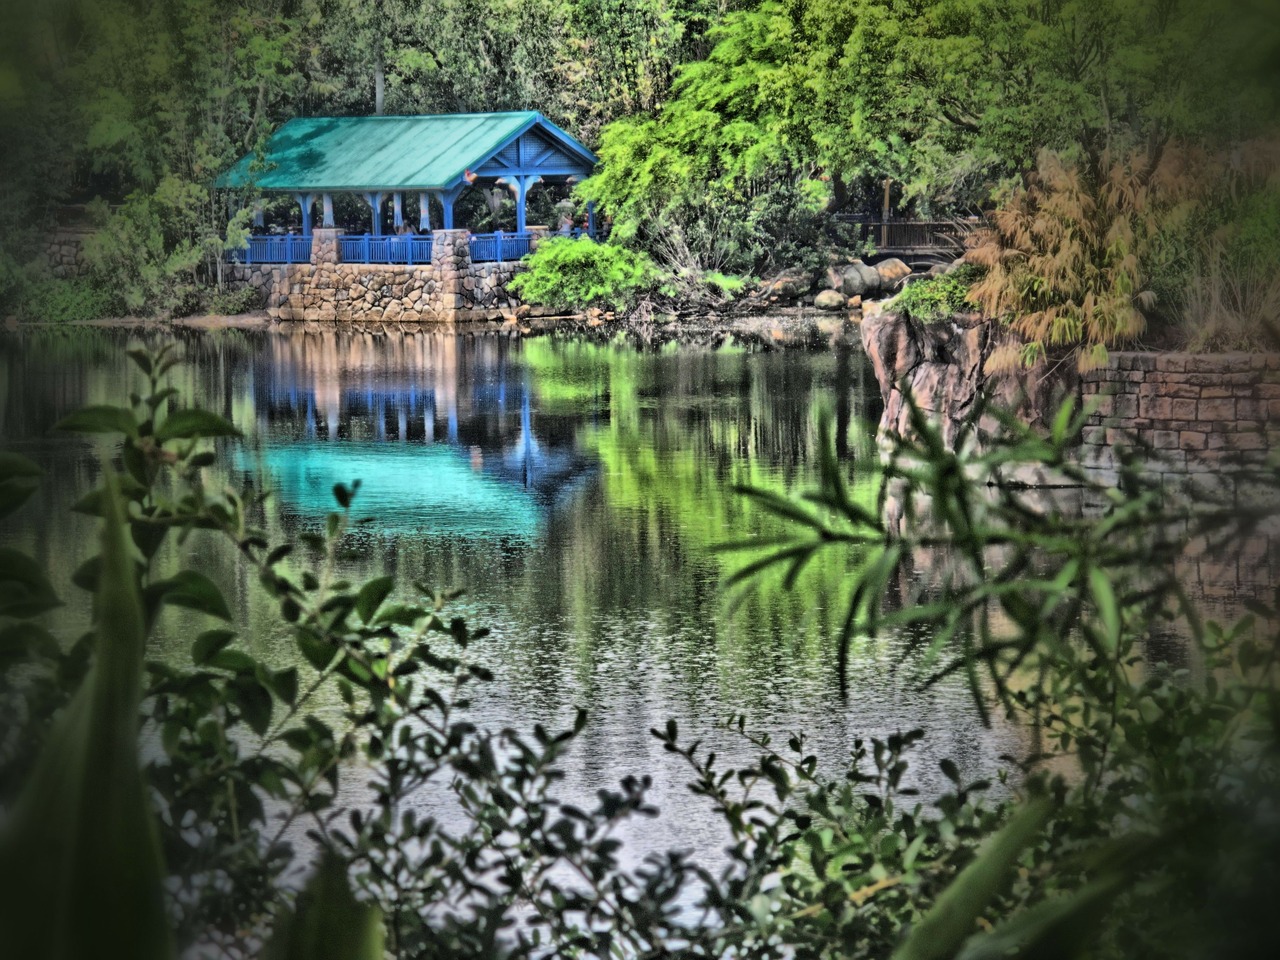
<point x="576" y="490"/>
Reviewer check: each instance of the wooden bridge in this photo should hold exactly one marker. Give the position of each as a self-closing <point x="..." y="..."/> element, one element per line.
<point x="915" y="241"/>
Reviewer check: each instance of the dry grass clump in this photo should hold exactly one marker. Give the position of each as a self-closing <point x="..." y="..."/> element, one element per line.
<point x="1230" y="306"/>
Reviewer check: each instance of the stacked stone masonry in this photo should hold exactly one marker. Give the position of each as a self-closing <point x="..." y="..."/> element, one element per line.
<point x="450" y="289"/>
<point x="65" y="253"/>
<point x="1186" y="414"/>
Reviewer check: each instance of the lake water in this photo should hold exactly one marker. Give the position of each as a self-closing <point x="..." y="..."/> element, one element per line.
<point x="575" y="489"/>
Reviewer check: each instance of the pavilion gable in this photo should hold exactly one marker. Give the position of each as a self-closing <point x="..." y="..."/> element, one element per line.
<point x="537" y="151"/>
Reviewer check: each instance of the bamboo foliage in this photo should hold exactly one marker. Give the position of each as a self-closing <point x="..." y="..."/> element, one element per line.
<point x="1064" y="254"/>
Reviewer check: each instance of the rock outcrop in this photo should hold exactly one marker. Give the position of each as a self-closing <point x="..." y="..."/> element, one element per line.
<point x="857" y="280"/>
<point x="892" y="272"/>
<point x="787" y="286"/>
<point x="942" y="365"/>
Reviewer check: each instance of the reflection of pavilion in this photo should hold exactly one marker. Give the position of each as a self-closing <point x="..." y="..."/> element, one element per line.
<point x="439" y="428"/>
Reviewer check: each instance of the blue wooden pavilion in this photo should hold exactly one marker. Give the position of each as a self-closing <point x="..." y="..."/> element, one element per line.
<point x="435" y="156"/>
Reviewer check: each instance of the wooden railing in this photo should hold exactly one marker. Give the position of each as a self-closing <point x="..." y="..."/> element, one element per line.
<point x="292" y="248"/>
<point x="909" y="234"/>
<point x="402" y="248"/>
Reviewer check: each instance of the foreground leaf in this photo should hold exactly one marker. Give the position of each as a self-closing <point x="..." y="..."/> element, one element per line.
<point x="80" y="865"/>
<point x="187" y="424"/>
<point x="100" y="419"/>
<point x="329" y="923"/>
<point x="952" y="918"/>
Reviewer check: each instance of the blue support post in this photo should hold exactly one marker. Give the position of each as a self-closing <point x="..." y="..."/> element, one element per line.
<point x="306" y="201"/>
<point x="397" y="207"/>
<point x="447" y="199"/>
<point x="259" y="218"/>
<point x="497" y="243"/>
<point x="328" y="209"/>
<point x="523" y="183"/>
<point x="374" y="200"/>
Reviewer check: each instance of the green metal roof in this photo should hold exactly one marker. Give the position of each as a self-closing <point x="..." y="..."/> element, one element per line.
<point x="390" y="153"/>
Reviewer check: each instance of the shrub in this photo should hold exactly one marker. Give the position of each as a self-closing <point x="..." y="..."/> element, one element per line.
<point x="13" y="283"/>
<point x="567" y="274"/>
<point x="148" y="252"/>
<point x="937" y="298"/>
<point x="1080" y="259"/>
<point x="63" y="301"/>
<point x="228" y="303"/>
<point x="1216" y="266"/>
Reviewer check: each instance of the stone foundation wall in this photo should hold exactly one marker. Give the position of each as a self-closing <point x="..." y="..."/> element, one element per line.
<point x="488" y="291"/>
<point x="449" y="289"/>
<point x="1198" y="423"/>
<point x="1185" y="414"/>
<point x="346" y="291"/>
<point x="65" y="253"/>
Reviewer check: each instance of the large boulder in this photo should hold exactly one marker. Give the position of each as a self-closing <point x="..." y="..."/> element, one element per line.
<point x="788" y="285"/>
<point x="829" y="300"/>
<point x="859" y="280"/>
<point x="892" y="272"/>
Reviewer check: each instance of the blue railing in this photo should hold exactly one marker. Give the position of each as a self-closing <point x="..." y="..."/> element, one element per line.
<point x="292" y="248"/>
<point x="410" y="249"/>
<point x="490" y="247"/>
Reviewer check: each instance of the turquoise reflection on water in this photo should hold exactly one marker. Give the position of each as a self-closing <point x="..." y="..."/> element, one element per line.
<point x="403" y="488"/>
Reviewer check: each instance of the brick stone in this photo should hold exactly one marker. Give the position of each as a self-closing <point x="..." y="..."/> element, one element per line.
<point x="1191" y="440"/>
<point x="1221" y="410"/>
<point x="1251" y="409"/>
<point x="1247" y="441"/>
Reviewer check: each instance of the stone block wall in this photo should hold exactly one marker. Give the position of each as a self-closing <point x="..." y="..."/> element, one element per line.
<point x="65" y="252"/>
<point x="347" y="291"/>
<point x="1184" y="414"/>
<point x="449" y="289"/>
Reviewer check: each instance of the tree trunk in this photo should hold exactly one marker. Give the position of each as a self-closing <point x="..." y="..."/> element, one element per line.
<point x="379" y="82"/>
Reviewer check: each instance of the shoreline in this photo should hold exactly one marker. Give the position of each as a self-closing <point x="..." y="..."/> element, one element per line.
<point x="795" y="327"/>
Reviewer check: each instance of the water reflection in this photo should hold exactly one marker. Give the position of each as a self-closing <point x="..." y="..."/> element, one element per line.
<point x="577" y="490"/>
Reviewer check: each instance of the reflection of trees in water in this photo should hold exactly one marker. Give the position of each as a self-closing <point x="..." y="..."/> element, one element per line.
<point x="671" y="433"/>
<point x="616" y="604"/>
<point x="684" y="428"/>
